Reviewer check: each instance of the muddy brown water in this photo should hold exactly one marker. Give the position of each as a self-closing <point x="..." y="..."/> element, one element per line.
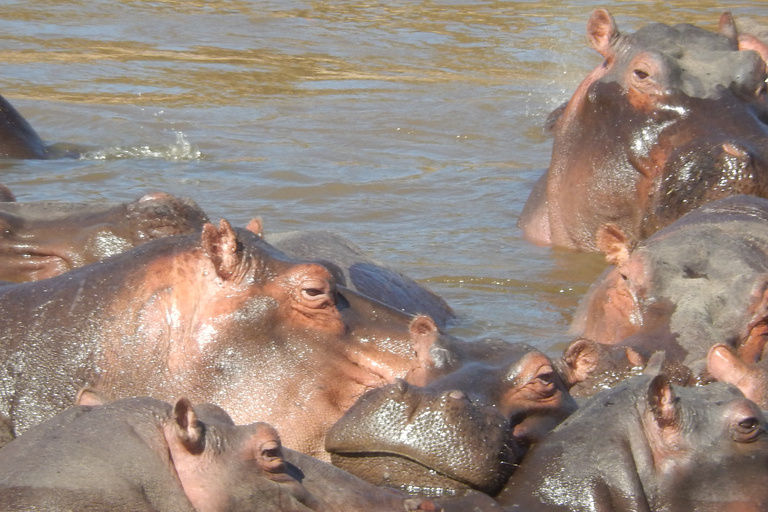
<point x="414" y="128"/>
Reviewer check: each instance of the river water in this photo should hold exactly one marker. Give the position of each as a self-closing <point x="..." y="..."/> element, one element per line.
<point x="415" y="128"/>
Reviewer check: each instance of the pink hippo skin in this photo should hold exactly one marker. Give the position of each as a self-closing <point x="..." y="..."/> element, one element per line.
<point x="646" y="445"/>
<point x="221" y="317"/>
<point x="141" y="454"/>
<point x="699" y="282"/>
<point x="44" y="239"/>
<point x="672" y="119"/>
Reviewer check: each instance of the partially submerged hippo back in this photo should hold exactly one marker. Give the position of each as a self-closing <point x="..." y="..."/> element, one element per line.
<point x="18" y="140"/>
<point x="44" y="239"/>
<point x="670" y="121"/>
<point x="647" y="445"/>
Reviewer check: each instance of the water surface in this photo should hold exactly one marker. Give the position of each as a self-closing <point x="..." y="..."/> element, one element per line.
<point x="414" y="128"/>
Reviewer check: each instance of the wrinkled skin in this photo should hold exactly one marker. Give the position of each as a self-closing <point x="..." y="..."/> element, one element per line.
<point x="487" y="402"/>
<point x="39" y="240"/>
<point x="699" y="282"/>
<point x="673" y="118"/>
<point x="649" y="446"/>
<point x="353" y="269"/>
<point x="144" y="454"/>
<point x="220" y="317"/>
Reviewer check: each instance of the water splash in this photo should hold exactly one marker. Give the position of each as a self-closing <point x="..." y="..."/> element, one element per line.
<point x="180" y="150"/>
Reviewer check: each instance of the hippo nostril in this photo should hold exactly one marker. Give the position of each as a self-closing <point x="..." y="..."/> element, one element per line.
<point x="734" y="150"/>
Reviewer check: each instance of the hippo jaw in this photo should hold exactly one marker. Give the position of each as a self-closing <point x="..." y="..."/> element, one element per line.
<point x="435" y="444"/>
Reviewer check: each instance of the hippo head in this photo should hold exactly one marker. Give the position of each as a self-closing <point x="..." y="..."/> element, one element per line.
<point x="670" y="121"/>
<point x="701" y="281"/>
<point x="467" y="429"/>
<point x="648" y="445"/>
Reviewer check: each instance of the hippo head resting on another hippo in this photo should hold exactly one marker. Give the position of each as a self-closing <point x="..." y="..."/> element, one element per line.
<point x="646" y="445"/>
<point x="674" y="118"/>
<point x="468" y="428"/>
<point x="699" y="282"/>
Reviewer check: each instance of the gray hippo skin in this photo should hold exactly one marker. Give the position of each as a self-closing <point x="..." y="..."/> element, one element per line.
<point x="18" y="140"/>
<point x="700" y="282"/>
<point x="219" y="317"/>
<point x="649" y="446"/>
<point x="674" y="118"/>
<point x="354" y="269"/>
<point x="39" y="240"/>
<point x="141" y="454"/>
<point x="467" y="429"/>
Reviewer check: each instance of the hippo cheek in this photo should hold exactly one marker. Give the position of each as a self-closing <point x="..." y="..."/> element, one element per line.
<point x="439" y="444"/>
<point x="614" y="311"/>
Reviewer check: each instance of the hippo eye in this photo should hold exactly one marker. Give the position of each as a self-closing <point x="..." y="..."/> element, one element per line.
<point x="640" y="74"/>
<point x="311" y="293"/>
<point x="748" y="424"/>
<point x="746" y="430"/>
<point x="270" y="450"/>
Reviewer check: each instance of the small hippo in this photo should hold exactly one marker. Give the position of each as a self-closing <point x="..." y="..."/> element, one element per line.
<point x="467" y="429"/>
<point x="699" y="282"/>
<point x="674" y="118"/>
<point x="354" y="269"/>
<point x="220" y="317"/>
<point x="648" y="445"/>
<point x="44" y="239"/>
<point x="141" y="454"/>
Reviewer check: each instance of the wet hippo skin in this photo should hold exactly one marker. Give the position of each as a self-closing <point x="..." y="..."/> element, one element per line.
<point x="699" y="282"/>
<point x="44" y="239"/>
<point x="220" y="317"/>
<point x="674" y="118"/>
<point x="141" y="454"/>
<point x="468" y="428"/>
<point x="647" y="445"/>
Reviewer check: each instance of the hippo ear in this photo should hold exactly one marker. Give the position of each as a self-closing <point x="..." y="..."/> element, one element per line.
<point x="90" y="396"/>
<point x="614" y="243"/>
<point x="579" y="360"/>
<point x="256" y="226"/>
<point x="727" y="27"/>
<point x="186" y="427"/>
<point x="663" y="403"/>
<point x="424" y="334"/>
<point x="221" y="246"/>
<point x="602" y="32"/>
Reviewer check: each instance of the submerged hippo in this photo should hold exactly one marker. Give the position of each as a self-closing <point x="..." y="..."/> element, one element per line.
<point x="141" y="454"/>
<point x="647" y="445"/>
<point x="219" y="317"/>
<point x="44" y="239"/>
<point x="699" y="282"/>
<point x="18" y="140"/>
<point x="467" y="429"/>
<point x="674" y="118"/>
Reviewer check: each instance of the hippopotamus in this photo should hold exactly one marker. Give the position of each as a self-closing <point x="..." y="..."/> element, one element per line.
<point x="696" y="283"/>
<point x="673" y="118"/>
<point x="649" y="445"/>
<point x="146" y="454"/>
<point x="220" y="317"/>
<point x="354" y="269"/>
<point x="44" y="239"/>
<point x="18" y="140"/>
<point x="467" y="429"/>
